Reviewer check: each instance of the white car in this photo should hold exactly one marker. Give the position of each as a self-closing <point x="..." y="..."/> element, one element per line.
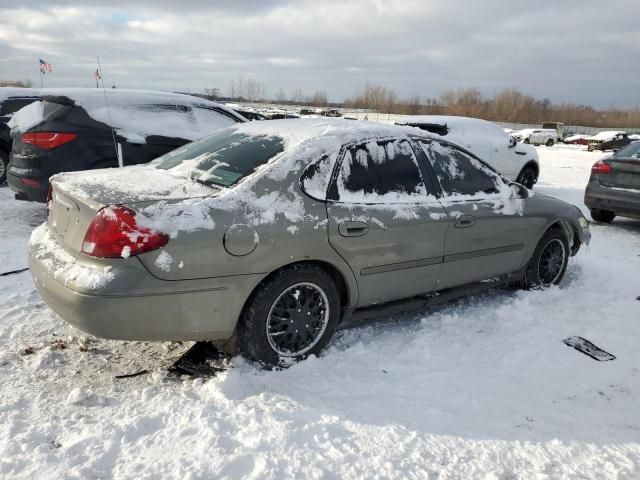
<point x="537" y="136"/>
<point x="516" y="161"/>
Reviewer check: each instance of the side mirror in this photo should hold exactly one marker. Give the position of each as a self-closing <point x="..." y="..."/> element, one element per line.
<point x="512" y="142"/>
<point x="519" y="191"/>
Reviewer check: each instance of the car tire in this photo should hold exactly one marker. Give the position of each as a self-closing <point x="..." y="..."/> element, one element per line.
<point x="526" y="140"/>
<point x="528" y="176"/>
<point x="603" y="216"/>
<point x="549" y="261"/>
<point x="4" y="166"/>
<point x="550" y="143"/>
<point x="296" y="294"/>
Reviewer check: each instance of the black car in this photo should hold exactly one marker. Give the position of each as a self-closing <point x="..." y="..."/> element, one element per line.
<point x="250" y="114"/>
<point x="83" y="129"/>
<point x="614" y="185"/>
<point x="608" y="141"/>
<point x="11" y="100"/>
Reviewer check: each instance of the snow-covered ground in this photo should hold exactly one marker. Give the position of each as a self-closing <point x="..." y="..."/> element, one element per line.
<point x="481" y="388"/>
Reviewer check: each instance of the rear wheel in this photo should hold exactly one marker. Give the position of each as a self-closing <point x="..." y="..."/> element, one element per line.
<point x="528" y="176"/>
<point x="550" y="143"/>
<point x="4" y="166"/>
<point x="290" y="316"/>
<point x="549" y="261"/>
<point x="526" y="140"/>
<point x="604" y="216"/>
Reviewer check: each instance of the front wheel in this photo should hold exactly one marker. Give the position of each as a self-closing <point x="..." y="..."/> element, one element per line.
<point x="549" y="261"/>
<point x="290" y="316"/>
<point x="4" y="166"/>
<point x="528" y="177"/>
<point x="550" y="143"/>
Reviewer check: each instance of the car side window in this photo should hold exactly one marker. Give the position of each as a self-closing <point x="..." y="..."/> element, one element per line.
<point x="380" y="172"/>
<point x="458" y="172"/>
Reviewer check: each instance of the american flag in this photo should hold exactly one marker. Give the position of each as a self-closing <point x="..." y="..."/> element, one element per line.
<point x="44" y="66"/>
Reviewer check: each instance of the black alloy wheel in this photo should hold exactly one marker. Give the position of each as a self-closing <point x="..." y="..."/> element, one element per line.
<point x="528" y="177"/>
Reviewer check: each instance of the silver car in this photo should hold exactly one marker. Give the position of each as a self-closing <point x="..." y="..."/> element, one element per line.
<point x="274" y="232"/>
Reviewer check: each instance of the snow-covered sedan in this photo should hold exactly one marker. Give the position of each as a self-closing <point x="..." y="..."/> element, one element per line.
<point x="491" y="143"/>
<point x="274" y="232"/>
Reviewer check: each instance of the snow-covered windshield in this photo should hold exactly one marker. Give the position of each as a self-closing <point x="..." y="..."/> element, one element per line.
<point x="222" y="158"/>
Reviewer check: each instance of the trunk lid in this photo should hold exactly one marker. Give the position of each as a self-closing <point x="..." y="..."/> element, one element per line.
<point x="78" y="196"/>
<point x="625" y="174"/>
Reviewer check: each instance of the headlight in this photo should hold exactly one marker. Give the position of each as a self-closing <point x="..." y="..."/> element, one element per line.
<point x="584" y="223"/>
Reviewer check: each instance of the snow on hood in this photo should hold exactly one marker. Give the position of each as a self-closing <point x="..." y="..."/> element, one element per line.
<point x="604" y="136"/>
<point x="27" y="117"/>
<point x="136" y="114"/>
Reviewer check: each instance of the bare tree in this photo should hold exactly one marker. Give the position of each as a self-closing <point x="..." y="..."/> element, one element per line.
<point x="318" y="99"/>
<point x="211" y="93"/>
<point x="297" y="96"/>
<point x="281" y="96"/>
<point x="16" y="83"/>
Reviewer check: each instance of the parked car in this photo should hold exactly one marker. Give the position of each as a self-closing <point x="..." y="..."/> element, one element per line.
<point x="274" y="232"/>
<point x="609" y="140"/>
<point x="614" y="185"/>
<point x="250" y="114"/>
<point x="80" y="129"/>
<point x="487" y="140"/>
<point x="11" y="100"/>
<point x="577" y="140"/>
<point x="557" y="126"/>
<point x="536" y="136"/>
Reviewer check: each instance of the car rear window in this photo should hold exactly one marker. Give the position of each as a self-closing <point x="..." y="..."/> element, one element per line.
<point x="630" y="151"/>
<point x="223" y="158"/>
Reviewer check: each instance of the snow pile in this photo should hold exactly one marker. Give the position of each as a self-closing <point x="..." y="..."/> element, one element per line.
<point x="574" y="138"/>
<point x="63" y="266"/>
<point x="462" y="130"/>
<point x="27" y="117"/>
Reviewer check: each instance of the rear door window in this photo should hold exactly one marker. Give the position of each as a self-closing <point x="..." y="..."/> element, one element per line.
<point x="380" y="172"/>
<point x="458" y="172"/>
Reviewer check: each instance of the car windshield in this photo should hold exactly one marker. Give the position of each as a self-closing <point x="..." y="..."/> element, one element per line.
<point x="630" y="151"/>
<point x="223" y="158"/>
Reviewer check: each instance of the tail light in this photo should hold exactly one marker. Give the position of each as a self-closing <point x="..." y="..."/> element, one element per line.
<point x="115" y="233"/>
<point x="601" y="167"/>
<point x="47" y="140"/>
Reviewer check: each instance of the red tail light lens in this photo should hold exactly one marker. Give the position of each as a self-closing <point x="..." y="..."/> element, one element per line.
<point x="601" y="167"/>
<point x="114" y="233"/>
<point x="47" y="140"/>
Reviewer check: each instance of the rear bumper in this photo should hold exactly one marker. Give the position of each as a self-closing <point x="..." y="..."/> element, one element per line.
<point x="625" y="203"/>
<point x="30" y="191"/>
<point x="130" y="304"/>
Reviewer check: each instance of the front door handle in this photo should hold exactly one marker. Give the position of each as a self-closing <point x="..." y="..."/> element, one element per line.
<point x="352" y="228"/>
<point x="465" y="221"/>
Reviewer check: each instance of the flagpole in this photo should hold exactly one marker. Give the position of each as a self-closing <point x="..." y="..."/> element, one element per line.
<point x="40" y="77"/>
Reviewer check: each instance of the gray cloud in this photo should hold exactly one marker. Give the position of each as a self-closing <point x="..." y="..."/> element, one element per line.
<point x="578" y="51"/>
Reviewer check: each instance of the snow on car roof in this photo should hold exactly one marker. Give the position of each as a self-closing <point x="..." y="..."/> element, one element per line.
<point x="6" y="92"/>
<point x="134" y="113"/>
<point x="607" y="135"/>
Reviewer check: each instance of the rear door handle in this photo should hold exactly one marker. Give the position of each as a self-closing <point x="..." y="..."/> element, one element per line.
<point x="465" y="221"/>
<point x="352" y="228"/>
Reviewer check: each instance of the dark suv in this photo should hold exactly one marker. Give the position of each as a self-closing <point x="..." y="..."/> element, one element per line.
<point x="11" y="100"/>
<point x="83" y="129"/>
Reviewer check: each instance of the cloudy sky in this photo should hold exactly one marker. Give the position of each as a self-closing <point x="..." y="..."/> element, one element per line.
<point x="567" y="50"/>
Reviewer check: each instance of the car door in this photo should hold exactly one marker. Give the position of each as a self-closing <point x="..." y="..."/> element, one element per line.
<point x="386" y="221"/>
<point x="488" y="234"/>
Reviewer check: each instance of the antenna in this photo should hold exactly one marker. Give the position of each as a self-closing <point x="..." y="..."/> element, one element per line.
<point x="113" y="133"/>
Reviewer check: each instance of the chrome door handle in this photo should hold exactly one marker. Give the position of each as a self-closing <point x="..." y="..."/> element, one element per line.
<point x="353" y="229"/>
<point x="465" y="221"/>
